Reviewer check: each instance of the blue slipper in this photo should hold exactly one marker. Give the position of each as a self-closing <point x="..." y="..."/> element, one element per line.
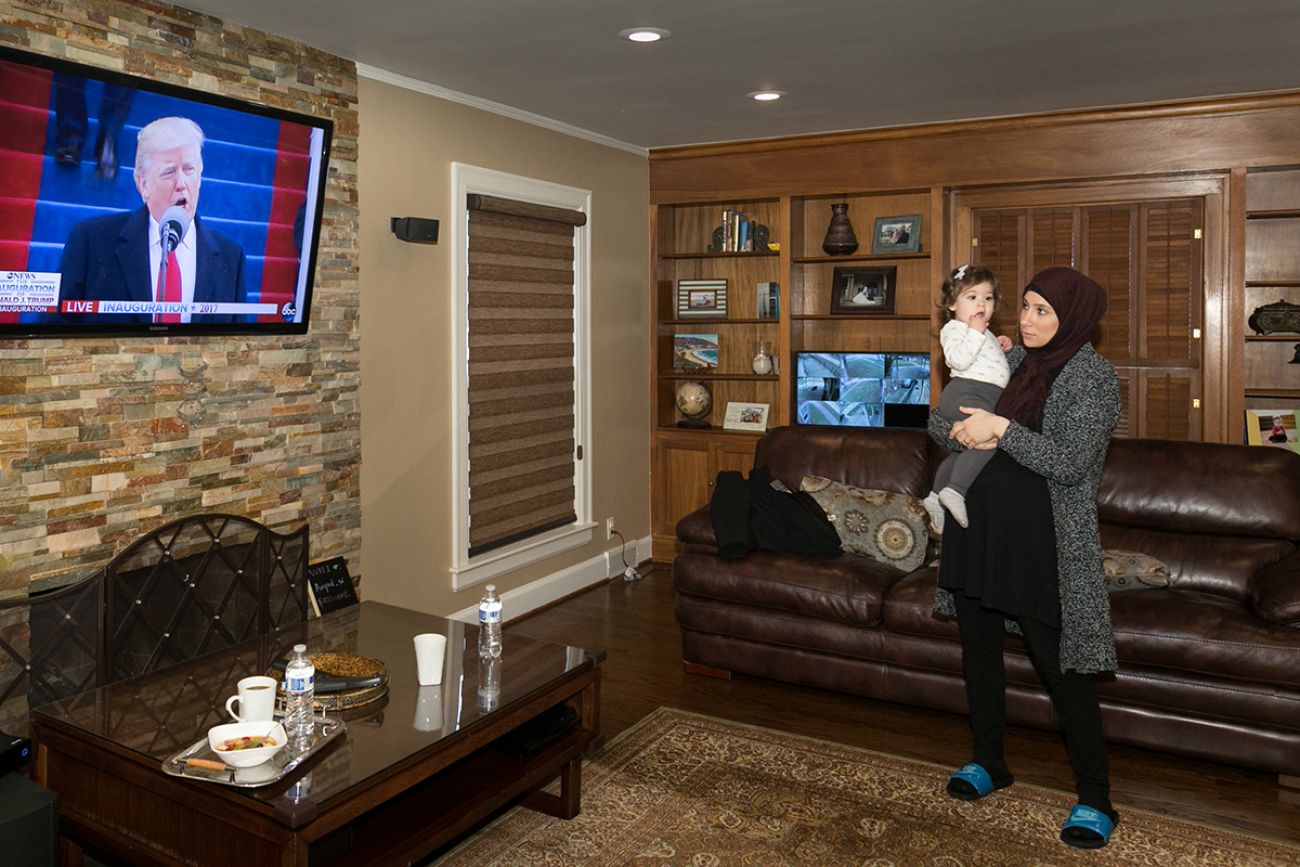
<point x="1087" y="828"/>
<point x="972" y="782"/>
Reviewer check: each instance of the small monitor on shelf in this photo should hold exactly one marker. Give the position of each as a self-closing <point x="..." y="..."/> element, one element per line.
<point x="862" y="389"/>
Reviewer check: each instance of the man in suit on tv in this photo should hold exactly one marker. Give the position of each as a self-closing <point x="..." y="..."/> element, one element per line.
<point x="117" y="257"/>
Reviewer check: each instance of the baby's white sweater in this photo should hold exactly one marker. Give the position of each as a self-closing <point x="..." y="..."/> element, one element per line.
<point x="973" y="354"/>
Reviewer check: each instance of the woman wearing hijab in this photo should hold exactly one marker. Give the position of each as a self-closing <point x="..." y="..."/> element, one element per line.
<point x="1030" y="559"/>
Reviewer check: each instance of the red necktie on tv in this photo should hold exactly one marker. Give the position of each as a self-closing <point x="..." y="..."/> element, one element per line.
<point x="172" y="291"/>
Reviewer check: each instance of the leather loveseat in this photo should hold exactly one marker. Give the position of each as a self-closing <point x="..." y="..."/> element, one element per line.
<point x="1209" y="666"/>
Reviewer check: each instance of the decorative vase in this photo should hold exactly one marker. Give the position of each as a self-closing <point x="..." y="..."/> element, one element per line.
<point x="840" y="240"/>
<point x="762" y="358"/>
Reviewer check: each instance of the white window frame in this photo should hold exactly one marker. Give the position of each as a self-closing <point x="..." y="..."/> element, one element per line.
<point x="468" y="571"/>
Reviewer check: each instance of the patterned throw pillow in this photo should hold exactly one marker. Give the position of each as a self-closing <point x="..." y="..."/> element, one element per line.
<point x="1129" y="570"/>
<point x="882" y="525"/>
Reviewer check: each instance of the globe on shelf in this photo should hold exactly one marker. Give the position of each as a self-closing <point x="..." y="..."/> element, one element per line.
<point x="694" y="402"/>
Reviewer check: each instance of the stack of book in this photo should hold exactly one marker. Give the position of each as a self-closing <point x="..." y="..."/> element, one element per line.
<point x="737" y="232"/>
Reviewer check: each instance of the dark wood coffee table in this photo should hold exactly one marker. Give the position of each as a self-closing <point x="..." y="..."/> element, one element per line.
<point x="414" y="770"/>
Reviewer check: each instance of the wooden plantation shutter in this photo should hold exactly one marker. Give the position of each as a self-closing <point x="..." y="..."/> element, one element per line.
<point x="521" y="373"/>
<point x="1147" y="257"/>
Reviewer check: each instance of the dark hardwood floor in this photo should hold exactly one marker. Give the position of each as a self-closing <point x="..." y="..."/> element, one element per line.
<point x="634" y="622"/>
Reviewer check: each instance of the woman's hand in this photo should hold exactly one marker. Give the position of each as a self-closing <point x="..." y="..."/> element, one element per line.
<point x="980" y="429"/>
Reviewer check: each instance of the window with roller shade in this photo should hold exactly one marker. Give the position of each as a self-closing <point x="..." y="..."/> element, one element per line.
<point x="522" y="393"/>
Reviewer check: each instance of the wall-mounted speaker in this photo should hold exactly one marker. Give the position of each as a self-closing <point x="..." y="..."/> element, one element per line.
<point x="417" y="230"/>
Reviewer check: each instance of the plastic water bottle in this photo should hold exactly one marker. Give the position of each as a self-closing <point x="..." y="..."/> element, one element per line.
<point x="489" y="684"/>
<point x="489" y="624"/>
<point x="299" y="687"/>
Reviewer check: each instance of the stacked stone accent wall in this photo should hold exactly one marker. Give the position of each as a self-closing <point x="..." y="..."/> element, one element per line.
<point x="104" y="439"/>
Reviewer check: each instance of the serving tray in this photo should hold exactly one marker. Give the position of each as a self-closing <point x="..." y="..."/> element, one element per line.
<point x="271" y="771"/>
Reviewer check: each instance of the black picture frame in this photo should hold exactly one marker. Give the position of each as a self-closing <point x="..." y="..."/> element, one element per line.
<point x="864" y="291"/>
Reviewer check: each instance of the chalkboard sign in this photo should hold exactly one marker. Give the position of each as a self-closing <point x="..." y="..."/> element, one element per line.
<point x="329" y="586"/>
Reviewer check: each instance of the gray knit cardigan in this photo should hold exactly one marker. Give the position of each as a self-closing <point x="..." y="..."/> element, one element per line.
<point x="1081" y="413"/>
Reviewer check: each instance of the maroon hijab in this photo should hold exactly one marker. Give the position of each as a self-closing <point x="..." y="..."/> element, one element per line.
<point x="1079" y="302"/>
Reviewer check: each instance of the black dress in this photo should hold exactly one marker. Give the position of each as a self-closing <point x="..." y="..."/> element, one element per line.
<point x="1006" y="558"/>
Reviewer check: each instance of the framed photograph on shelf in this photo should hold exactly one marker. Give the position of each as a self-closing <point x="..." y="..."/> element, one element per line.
<point x="897" y="234"/>
<point x="701" y="299"/>
<point x="863" y="291"/>
<point x="746" y="416"/>
<point x="695" y="351"/>
<point x="1274" y="427"/>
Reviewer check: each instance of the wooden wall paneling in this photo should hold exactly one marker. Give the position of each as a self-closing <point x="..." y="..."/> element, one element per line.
<point x="1178" y="138"/>
<point x="1270" y="228"/>
<point x="864" y="209"/>
<point x="1268" y="365"/>
<point x="1273" y="250"/>
<point x="694" y="224"/>
<point x="1276" y="190"/>
<point x="736" y="342"/>
<point x="940" y="266"/>
<point x="661" y="300"/>
<point x="866" y="335"/>
<point x="790" y="211"/>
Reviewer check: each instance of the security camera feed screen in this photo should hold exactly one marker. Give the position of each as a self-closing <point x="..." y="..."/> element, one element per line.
<point x="862" y="389"/>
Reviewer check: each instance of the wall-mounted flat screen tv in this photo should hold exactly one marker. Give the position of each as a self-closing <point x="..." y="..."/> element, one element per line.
<point x="128" y="206"/>
<point x="862" y="389"/>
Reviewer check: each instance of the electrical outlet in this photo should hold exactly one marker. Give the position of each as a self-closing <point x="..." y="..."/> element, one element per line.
<point x="609" y="528"/>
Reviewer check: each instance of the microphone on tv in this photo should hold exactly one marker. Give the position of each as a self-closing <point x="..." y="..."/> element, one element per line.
<point x="171" y="228"/>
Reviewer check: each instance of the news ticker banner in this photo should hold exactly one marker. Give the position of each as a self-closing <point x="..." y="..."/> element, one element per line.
<point x="38" y="292"/>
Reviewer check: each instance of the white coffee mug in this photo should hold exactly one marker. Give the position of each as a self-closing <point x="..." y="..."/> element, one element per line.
<point x="256" y="699"/>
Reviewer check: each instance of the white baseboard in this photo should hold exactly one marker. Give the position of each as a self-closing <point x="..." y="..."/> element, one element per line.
<point x="557" y="585"/>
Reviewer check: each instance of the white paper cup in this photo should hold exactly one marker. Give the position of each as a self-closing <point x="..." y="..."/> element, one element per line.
<point x="429" y="650"/>
<point x="428" y="709"/>
<point x="256" y="699"/>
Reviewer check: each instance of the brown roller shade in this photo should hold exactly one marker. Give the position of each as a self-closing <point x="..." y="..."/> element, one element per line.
<point x="521" y="377"/>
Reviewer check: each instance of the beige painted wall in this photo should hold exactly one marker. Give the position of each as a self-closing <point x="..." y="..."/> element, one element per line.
<point x="408" y="141"/>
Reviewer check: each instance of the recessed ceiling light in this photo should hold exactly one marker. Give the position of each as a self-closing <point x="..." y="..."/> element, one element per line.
<point x="644" y="34"/>
<point x="767" y="95"/>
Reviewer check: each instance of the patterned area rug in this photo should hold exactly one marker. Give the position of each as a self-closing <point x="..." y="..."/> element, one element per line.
<point x="683" y="789"/>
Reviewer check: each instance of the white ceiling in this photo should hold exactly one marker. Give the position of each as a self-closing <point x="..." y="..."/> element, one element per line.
<point x="845" y="64"/>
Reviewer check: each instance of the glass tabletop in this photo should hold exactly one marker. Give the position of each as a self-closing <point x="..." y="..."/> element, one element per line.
<point x="157" y="714"/>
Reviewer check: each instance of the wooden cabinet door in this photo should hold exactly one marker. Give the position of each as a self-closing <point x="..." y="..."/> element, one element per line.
<point x="735" y="455"/>
<point x="686" y="466"/>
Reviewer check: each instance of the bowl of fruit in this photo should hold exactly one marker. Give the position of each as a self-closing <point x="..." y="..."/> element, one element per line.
<point x="245" y="744"/>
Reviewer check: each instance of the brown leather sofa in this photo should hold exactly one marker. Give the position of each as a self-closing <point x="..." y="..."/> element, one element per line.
<point x="1209" y="667"/>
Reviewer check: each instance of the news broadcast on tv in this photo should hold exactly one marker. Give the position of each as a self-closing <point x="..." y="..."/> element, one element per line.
<point x="132" y="207"/>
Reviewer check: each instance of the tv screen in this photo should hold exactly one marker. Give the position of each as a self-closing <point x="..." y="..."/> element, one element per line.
<point x="862" y="389"/>
<point x="129" y="206"/>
